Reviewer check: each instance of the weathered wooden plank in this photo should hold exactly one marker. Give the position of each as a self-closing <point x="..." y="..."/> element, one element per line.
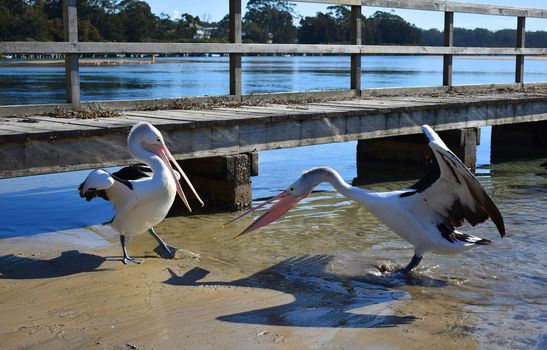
<point x="102" y="123"/>
<point x="448" y="42"/>
<point x="276" y="109"/>
<point x="72" y="68"/>
<point x="156" y="115"/>
<point x="437" y="101"/>
<point x="180" y="118"/>
<point x="440" y="50"/>
<point x="240" y="110"/>
<point x="333" y="2"/>
<point x="167" y="123"/>
<point x="337" y="107"/>
<point x="171" y="48"/>
<point x="235" y="58"/>
<point x="33" y="125"/>
<point x="376" y="104"/>
<point x="21" y="128"/>
<point x="217" y="114"/>
<point x="355" y="73"/>
<point x="442" y="5"/>
<point x="16" y="47"/>
<point x="286" y="112"/>
<point x="181" y="115"/>
<point x="50" y="130"/>
<point x="521" y="33"/>
<point x="160" y="123"/>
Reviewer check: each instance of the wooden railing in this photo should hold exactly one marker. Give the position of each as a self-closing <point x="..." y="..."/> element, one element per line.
<point x="72" y="49"/>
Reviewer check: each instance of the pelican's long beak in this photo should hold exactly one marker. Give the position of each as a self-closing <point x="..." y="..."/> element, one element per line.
<point x="285" y="201"/>
<point x="162" y="152"/>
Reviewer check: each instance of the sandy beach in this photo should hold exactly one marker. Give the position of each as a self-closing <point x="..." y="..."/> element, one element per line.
<point x="69" y="290"/>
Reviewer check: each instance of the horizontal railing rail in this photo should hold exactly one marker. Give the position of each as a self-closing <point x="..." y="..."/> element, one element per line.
<point x="442" y="6"/>
<point x="82" y="48"/>
<point x="72" y="49"/>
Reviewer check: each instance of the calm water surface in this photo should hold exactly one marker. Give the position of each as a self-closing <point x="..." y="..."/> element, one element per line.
<point x="201" y="76"/>
<point x="495" y="295"/>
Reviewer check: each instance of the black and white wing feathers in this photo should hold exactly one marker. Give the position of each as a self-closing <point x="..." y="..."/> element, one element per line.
<point x="453" y="192"/>
<point x="101" y="183"/>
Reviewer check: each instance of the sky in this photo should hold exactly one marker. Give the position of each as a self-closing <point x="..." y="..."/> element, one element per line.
<point x="214" y="10"/>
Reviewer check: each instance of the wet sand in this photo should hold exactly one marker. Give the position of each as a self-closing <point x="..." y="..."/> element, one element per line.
<point x="69" y="290"/>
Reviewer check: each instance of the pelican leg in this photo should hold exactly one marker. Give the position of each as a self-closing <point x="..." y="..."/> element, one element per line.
<point x="171" y="251"/>
<point x="412" y="264"/>
<point x="126" y="259"/>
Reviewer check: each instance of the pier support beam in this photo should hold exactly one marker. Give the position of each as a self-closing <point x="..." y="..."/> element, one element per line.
<point x="518" y="141"/>
<point x="223" y="182"/>
<point x="408" y="157"/>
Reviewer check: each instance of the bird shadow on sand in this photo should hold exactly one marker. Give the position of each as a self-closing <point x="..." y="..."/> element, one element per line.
<point x="68" y="263"/>
<point x="321" y="298"/>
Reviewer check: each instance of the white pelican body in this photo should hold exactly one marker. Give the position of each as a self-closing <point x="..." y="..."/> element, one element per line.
<point x="425" y="214"/>
<point x="141" y="195"/>
<point x="144" y="206"/>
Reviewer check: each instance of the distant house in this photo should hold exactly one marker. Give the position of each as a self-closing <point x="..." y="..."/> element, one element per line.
<point x="203" y="32"/>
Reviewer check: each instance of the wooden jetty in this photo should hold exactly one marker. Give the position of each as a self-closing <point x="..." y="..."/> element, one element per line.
<point x="43" y="144"/>
<point x="218" y="139"/>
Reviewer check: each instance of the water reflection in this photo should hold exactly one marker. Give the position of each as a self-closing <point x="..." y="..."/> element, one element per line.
<point x="199" y="76"/>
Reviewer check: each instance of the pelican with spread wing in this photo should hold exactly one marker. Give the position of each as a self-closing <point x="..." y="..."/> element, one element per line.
<point x="426" y="214"/>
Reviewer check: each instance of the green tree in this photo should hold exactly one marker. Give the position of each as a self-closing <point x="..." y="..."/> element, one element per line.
<point x="392" y="29"/>
<point x="331" y="27"/>
<point x="536" y="39"/>
<point x="139" y="23"/>
<point x="321" y="29"/>
<point x="432" y="37"/>
<point x="222" y="30"/>
<point x="185" y="27"/>
<point x="267" y="20"/>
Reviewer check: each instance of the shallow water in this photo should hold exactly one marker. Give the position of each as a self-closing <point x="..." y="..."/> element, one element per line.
<point x="331" y="247"/>
<point x="327" y="250"/>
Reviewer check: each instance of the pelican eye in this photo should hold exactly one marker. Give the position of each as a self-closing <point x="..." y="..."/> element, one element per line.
<point x="159" y="140"/>
<point x="291" y="189"/>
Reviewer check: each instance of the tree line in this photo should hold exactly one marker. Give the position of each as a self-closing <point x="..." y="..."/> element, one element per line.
<point x="264" y="21"/>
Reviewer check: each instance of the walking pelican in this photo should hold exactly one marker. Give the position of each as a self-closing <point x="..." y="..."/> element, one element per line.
<point x="425" y="214"/>
<point x="140" y="194"/>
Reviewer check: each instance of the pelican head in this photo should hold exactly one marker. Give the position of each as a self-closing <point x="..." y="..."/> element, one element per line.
<point x="145" y="134"/>
<point x="288" y="198"/>
<point x="145" y="137"/>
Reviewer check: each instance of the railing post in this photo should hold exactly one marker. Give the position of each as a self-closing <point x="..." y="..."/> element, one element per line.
<point x="235" y="58"/>
<point x="356" y="40"/>
<point x="72" y="67"/>
<point x="519" y="71"/>
<point x="448" y="42"/>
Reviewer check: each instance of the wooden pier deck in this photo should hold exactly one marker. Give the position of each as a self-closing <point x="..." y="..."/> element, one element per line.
<point x="39" y="144"/>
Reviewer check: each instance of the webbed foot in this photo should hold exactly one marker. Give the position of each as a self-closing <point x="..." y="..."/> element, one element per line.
<point x="170" y="251"/>
<point x="412" y="264"/>
<point x="130" y="261"/>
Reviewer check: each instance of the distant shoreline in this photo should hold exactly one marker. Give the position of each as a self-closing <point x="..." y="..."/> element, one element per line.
<point x="150" y="60"/>
<point x="83" y="62"/>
